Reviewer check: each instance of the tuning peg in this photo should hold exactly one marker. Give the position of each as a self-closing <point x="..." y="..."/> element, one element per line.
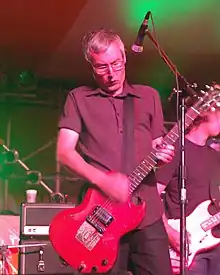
<point x="207" y="87"/>
<point x="202" y="92"/>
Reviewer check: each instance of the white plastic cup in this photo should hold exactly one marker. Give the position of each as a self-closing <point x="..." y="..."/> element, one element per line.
<point x="31" y="196"/>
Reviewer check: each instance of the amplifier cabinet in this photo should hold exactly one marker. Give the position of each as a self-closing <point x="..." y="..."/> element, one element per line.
<point x="36" y="255"/>
<point x="41" y="259"/>
<point x="36" y="217"/>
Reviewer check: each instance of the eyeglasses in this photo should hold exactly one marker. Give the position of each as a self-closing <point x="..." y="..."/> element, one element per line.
<point x="102" y="69"/>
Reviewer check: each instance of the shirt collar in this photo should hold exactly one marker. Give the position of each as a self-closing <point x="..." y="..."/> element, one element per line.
<point x="127" y="90"/>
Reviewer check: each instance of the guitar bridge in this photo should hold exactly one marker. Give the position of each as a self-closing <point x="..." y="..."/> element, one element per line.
<point x="101" y="215"/>
<point x="91" y="221"/>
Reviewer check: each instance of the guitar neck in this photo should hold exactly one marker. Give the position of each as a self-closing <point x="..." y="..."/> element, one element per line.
<point x="148" y="163"/>
<point x="211" y="222"/>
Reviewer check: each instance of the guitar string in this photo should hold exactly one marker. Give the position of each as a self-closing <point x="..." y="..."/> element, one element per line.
<point x="134" y="185"/>
<point x="108" y="203"/>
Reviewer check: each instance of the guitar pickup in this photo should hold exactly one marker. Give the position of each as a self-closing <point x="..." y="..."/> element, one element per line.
<point x="99" y="217"/>
<point x="102" y="215"/>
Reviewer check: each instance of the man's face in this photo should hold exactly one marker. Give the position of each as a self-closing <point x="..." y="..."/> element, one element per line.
<point x="109" y="69"/>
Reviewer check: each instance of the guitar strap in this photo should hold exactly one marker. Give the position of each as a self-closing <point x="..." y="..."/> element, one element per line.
<point x="127" y="159"/>
<point x="128" y="156"/>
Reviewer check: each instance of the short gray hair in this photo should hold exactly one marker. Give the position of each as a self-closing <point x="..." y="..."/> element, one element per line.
<point x="99" y="40"/>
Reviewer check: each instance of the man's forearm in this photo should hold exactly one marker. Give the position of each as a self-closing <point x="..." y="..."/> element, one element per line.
<point x="73" y="161"/>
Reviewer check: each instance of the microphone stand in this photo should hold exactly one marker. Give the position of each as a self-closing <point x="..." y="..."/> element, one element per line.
<point x="182" y="179"/>
<point x="185" y="84"/>
<point x="183" y="200"/>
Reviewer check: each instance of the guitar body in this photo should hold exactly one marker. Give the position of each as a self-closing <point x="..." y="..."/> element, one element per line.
<point x="87" y="237"/>
<point x="200" y="239"/>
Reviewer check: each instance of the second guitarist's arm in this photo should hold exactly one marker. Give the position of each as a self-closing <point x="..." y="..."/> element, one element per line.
<point x="173" y="235"/>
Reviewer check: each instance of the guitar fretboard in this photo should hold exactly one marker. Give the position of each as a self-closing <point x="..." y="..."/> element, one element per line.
<point x="148" y="163"/>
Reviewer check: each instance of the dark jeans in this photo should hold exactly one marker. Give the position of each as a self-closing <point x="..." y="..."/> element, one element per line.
<point x="206" y="263"/>
<point x="144" y="252"/>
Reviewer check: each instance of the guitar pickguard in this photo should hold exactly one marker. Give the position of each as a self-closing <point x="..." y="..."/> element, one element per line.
<point x="88" y="235"/>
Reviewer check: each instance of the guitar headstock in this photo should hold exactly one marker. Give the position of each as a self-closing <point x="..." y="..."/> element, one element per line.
<point x="209" y="100"/>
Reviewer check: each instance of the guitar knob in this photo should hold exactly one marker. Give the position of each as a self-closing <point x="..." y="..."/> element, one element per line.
<point x="81" y="267"/>
<point x="104" y="262"/>
<point x="94" y="269"/>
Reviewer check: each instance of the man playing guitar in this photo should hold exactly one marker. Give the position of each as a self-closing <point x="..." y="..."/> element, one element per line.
<point x="93" y="121"/>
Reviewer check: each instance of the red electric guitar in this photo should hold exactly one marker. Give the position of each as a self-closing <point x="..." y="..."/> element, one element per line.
<point x="87" y="236"/>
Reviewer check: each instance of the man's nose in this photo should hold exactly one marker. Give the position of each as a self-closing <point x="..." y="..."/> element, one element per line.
<point x="110" y="70"/>
<point x="110" y="76"/>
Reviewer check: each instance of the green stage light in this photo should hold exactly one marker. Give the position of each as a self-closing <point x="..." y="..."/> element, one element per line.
<point x="164" y="12"/>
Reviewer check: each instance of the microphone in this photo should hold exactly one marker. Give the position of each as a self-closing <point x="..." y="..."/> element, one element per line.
<point x="137" y="47"/>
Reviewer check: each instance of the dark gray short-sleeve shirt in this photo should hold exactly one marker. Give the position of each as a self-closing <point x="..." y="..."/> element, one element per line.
<point x="98" y="118"/>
